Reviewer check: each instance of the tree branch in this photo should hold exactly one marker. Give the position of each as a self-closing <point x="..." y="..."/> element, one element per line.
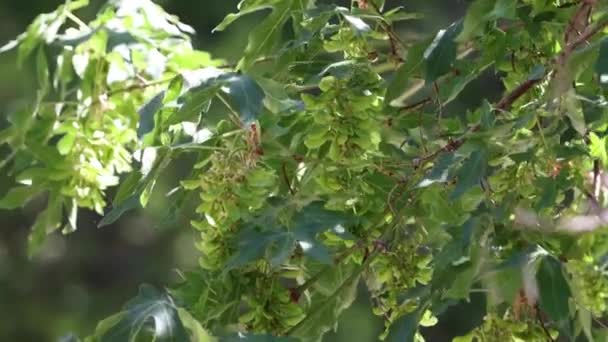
<point x="505" y="103"/>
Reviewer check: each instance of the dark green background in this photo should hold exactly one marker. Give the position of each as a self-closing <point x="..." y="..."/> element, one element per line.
<point x="83" y="277"/>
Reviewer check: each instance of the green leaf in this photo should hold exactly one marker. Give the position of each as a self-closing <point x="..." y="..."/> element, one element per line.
<point x="471" y="173"/>
<point x="537" y="73"/>
<point x="267" y="33"/>
<point x="308" y="223"/>
<point x="461" y="82"/>
<point x="441" y="53"/>
<point x="19" y="196"/>
<point x="597" y="148"/>
<point x="357" y="23"/>
<point x="276" y="98"/>
<point x="151" y="308"/>
<point x="194" y="60"/>
<point x="464" y="277"/>
<point x="118" y="210"/>
<point x="147" y="112"/>
<point x="132" y="196"/>
<point x="65" y="144"/>
<point x="601" y="66"/>
<point x="243" y="94"/>
<point x="575" y="113"/>
<point x="104" y="325"/>
<point x="313" y="220"/>
<point x="336" y="291"/>
<point x="505" y="9"/>
<point x="47" y="222"/>
<point x="246" y="96"/>
<point x="585" y="320"/>
<point x="127" y="187"/>
<point x="397" y="14"/>
<point x="197" y="332"/>
<point x="42" y="70"/>
<point x="72" y="212"/>
<point x="440" y="171"/>
<point x="404" y="328"/>
<point x="245" y="7"/>
<point x="252" y="245"/>
<point x="401" y="80"/>
<point x="478" y="14"/>
<point x="549" y="191"/>
<point x="554" y="293"/>
<point x="198" y="87"/>
<point x="257" y="338"/>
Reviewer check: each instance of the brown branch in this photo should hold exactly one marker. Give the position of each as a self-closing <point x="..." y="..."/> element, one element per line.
<point x="579" y="21"/>
<point x="579" y="31"/>
<point x="505" y="103"/>
<point x="392" y="35"/>
<point x="415" y="105"/>
<point x="588" y="33"/>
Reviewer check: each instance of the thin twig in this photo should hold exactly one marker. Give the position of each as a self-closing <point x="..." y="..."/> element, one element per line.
<point x="392" y="35"/>
<point x="505" y="103"/>
<point x="542" y="324"/>
<point x="8" y="159"/>
<point x="415" y="105"/>
<point x="286" y="178"/>
<point x="82" y="24"/>
<point x="139" y="86"/>
<point x="419" y="85"/>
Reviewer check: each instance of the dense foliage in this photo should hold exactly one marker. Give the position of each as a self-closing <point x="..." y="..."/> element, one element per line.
<point x="329" y="156"/>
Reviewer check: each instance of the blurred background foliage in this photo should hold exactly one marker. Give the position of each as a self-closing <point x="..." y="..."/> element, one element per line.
<point x="83" y="277"/>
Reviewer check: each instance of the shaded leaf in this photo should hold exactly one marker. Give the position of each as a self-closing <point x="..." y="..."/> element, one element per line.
<point x="47" y="222"/>
<point x="136" y="191"/>
<point x="336" y="291"/>
<point x="395" y="95"/>
<point x="256" y="338"/>
<point x="478" y="13"/>
<point x="554" y="293"/>
<point x="245" y="94"/>
<point x="267" y="33"/>
<point x="471" y="173"/>
<point x="151" y="308"/>
<point x="537" y="73"/>
<point x="601" y="66"/>
<point x="313" y="220"/>
<point x="441" y="53"/>
<point x="404" y="329"/>
<point x="252" y="245"/>
<point x="18" y="197"/>
<point x="147" y="112"/>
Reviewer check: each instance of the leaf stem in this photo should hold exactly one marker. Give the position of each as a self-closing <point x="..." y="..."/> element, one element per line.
<point x="140" y="86"/>
<point x="77" y="20"/>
